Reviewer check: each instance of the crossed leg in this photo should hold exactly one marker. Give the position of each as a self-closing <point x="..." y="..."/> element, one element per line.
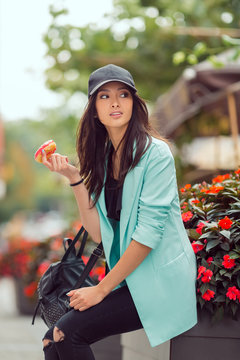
<point x="73" y="334"/>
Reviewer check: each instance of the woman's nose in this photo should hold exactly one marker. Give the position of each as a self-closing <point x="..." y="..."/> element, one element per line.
<point x="115" y="103"/>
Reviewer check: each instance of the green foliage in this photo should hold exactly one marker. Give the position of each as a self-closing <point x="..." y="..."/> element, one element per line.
<point x="135" y="37"/>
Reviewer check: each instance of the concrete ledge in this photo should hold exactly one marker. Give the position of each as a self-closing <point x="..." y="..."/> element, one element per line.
<point x="135" y="346"/>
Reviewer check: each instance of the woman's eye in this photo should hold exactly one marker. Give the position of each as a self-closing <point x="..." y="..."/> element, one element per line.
<point x="124" y="94"/>
<point x="104" y="96"/>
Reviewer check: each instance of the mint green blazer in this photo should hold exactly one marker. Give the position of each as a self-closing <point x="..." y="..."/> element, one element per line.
<point x="163" y="285"/>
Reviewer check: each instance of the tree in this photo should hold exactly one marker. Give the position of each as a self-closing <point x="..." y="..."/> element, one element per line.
<point x="141" y="35"/>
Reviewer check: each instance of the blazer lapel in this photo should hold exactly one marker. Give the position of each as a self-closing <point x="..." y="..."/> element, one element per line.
<point x="131" y="186"/>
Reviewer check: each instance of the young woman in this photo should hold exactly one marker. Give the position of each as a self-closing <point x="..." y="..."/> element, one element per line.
<point x="129" y="201"/>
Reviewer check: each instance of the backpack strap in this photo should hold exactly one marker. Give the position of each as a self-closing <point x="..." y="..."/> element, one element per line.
<point x="83" y="243"/>
<point x="72" y="245"/>
<point x="35" y="312"/>
<point x="97" y="252"/>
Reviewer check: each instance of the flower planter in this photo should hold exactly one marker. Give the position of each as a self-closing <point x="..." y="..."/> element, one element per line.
<point x="219" y="341"/>
<point x="25" y="305"/>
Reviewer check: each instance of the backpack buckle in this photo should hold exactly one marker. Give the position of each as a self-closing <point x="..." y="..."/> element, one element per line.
<point x="97" y="252"/>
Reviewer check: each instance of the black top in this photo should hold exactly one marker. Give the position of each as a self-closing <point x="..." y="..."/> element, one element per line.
<point x="113" y="198"/>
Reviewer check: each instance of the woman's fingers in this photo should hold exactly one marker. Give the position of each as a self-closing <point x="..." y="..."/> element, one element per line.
<point x="56" y="162"/>
<point x="45" y="161"/>
<point x="59" y="163"/>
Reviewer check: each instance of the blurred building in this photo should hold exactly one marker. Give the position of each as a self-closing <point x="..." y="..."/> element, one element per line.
<point x="211" y="95"/>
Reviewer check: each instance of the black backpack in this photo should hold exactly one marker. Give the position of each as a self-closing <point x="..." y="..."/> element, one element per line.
<point x="63" y="276"/>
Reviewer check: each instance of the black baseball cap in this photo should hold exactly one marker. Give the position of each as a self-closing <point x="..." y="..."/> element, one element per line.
<point x="109" y="73"/>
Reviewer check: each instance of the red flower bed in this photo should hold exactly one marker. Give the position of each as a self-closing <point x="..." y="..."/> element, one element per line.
<point x="211" y="216"/>
<point x="29" y="260"/>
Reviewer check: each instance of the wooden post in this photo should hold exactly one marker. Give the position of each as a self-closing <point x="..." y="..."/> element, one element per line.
<point x="234" y="126"/>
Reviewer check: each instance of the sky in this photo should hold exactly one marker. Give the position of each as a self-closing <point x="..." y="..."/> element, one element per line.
<point x="22" y="63"/>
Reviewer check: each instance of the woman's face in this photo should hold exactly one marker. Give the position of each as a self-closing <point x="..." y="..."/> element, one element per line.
<point x="114" y="104"/>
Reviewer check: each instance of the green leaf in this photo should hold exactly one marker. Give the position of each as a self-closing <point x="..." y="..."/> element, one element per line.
<point x="234" y="307"/>
<point x="228" y="275"/>
<point x="218" y="277"/>
<point x="220" y="298"/>
<point x="211" y="244"/>
<point x="237" y="269"/>
<point x="225" y="233"/>
<point x="223" y="271"/>
<point x="234" y="255"/>
<point x="204" y="287"/>
<point x="228" y="40"/>
<point x="200" y="48"/>
<point x="179" y="57"/>
<point x="238" y="280"/>
<point x="236" y="204"/>
<point x="219" y="313"/>
<point x="192" y="59"/>
<point x="205" y="263"/>
<point x="193" y="234"/>
<point x="209" y="234"/>
<point x="225" y="246"/>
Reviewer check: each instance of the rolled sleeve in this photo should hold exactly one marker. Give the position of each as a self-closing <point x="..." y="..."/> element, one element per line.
<point x="158" y="191"/>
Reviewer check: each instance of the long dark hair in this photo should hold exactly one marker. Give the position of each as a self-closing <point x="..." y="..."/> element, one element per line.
<point x="94" y="147"/>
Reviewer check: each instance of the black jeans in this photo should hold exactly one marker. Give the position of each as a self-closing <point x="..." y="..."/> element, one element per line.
<point x="116" y="314"/>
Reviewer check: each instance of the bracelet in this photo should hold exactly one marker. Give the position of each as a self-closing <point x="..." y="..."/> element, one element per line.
<point x="77" y="183"/>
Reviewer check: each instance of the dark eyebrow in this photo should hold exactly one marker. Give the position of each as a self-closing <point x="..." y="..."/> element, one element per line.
<point x="121" y="88"/>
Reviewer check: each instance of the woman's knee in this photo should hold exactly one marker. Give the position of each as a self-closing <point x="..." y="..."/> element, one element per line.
<point x="46" y="342"/>
<point x="58" y="335"/>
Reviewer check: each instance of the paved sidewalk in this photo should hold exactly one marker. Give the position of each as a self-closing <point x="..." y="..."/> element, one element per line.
<point x="20" y="340"/>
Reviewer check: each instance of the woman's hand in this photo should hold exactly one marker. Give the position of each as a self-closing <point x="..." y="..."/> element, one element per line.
<point x="59" y="163"/>
<point x="84" y="298"/>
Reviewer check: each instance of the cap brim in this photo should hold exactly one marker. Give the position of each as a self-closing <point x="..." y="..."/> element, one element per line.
<point x="110" y="80"/>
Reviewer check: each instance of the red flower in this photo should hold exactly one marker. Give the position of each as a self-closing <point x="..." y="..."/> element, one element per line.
<point x="220" y="178"/>
<point x="225" y="223"/>
<point x="30" y="289"/>
<point x="207" y="275"/>
<point x="197" y="247"/>
<point x="195" y="201"/>
<point x="208" y="295"/>
<point x="85" y="259"/>
<point x="209" y="260"/>
<point x="233" y="293"/>
<point x="57" y="244"/>
<point x="237" y="171"/>
<point x="201" y="270"/>
<point x="43" y="267"/>
<point x="228" y="263"/>
<point x="212" y="190"/>
<point x="186" y="187"/>
<point x="199" y="228"/>
<point x="98" y="272"/>
<point x="187" y="216"/>
<point x="215" y="189"/>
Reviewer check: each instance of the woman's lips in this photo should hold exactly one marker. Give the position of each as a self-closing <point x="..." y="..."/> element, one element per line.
<point x="116" y="114"/>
